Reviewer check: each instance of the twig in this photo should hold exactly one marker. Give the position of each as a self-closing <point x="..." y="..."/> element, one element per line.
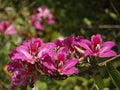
<point x="111" y="59"/>
<point x="114" y="8"/>
<point x="99" y="64"/>
<point x="101" y="27"/>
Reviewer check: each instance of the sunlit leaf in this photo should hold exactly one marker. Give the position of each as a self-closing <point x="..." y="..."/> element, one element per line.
<point x="114" y="75"/>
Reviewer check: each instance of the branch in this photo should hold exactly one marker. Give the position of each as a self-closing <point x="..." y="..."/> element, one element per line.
<point x="99" y="64"/>
<point x="114" y="8"/>
<point x="111" y="59"/>
<point x="101" y="27"/>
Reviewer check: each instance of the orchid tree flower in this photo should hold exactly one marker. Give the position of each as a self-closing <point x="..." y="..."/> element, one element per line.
<point x="59" y="65"/>
<point x="7" y="28"/>
<point x="96" y="47"/>
<point x="71" y="45"/>
<point x="23" y="73"/>
<point x="56" y="62"/>
<point x="42" y="16"/>
<point x="28" y="51"/>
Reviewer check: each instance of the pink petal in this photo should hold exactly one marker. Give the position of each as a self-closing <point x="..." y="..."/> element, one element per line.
<point x="106" y="46"/>
<point x="70" y="63"/>
<point x="38" y="25"/>
<point x="10" y="30"/>
<point x="48" y="63"/>
<point x="26" y="54"/>
<point x="87" y="53"/>
<point x="47" y="48"/>
<point x="51" y="21"/>
<point x="21" y="56"/>
<point x="61" y="57"/>
<point x="109" y="53"/>
<point x="23" y="51"/>
<point x="86" y="44"/>
<point x="70" y="71"/>
<point x="3" y="25"/>
<point x="96" y="39"/>
<point x="47" y="70"/>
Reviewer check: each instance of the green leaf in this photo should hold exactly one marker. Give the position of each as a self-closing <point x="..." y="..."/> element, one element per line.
<point x="55" y="35"/>
<point x="114" y="75"/>
<point x="87" y="21"/>
<point x="99" y="82"/>
<point x="41" y="85"/>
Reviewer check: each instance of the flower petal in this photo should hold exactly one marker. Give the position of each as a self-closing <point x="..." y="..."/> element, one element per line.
<point x="48" y="63"/>
<point x="70" y="63"/>
<point x="107" y="54"/>
<point x="10" y="30"/>
<point x="96" y="39"/>
<point x="86" y="44"/>
<point x="70" y="71"/>
<point x="51" y="21"/>
<point x="106" y="46"/>
<point x="38" y="25"/>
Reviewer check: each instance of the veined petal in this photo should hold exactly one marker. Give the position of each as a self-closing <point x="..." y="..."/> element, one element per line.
<point x="47" y="70"/>
<point x="87" y="53"/>
<point x="106" y="46"/>
<point x="27" y="55"/>
<point x="18" y="56"/>
<point x="86" y="44"/>
<point x="109" y="53"/>
<point x="70" y="71"/>
<point x="70" y="63"/>
<point x="48" y="63"/>
<point x="47" y="48"/>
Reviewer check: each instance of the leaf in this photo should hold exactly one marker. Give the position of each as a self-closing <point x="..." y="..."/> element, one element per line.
<point x="41" y="85"/>
<point x="87" y="21"/>
<point x="55" y="35"/>
<point x="99" y="82"/>
<point x="114" y="75"/>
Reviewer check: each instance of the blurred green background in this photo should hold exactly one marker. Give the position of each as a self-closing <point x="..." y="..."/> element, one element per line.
<point x="72" y="17"/>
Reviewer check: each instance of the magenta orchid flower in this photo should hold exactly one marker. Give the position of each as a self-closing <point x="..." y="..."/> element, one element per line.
<point x="42" y="15"/>
<point x="46" y="14"/>
<point x="59" y="64"/>
<point x="23" y="73"/>
<point x="96" y="47"/>
<point x="71" y="45"/>
<point x="7" y="28"/>
<point x="29" y="51"/>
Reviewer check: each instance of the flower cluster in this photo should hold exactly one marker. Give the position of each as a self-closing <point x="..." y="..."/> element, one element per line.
<point x="41" y="16"/>
<point x="57" y="59"/>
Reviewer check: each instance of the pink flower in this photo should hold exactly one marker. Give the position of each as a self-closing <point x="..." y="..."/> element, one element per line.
<point x="59" y="64"/>
<point x="46" y="14"/>
<point x="42" y="15"/>
<point x="70" y="44"/>
<point x="23" y="73"/>
<point x="96" y="47"/>
<point x="29" y="51"/>
<point x="7" y="28"/>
